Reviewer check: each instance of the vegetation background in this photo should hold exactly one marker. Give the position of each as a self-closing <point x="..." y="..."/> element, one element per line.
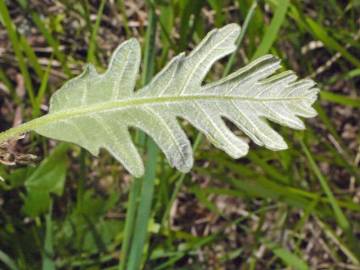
<point x="61" y="208"/>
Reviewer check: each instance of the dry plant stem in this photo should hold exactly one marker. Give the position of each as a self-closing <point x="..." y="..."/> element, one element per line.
<point x="18" y="130"/>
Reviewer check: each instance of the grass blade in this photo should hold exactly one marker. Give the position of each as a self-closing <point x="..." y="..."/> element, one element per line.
<point x="50" y="39"/>
<point x="334" y="238"/>
<point x="148" y="181"/>
<point x="9" y="89"/>
<point x="340" y="216"/>
<point x="340" y="99"/>
<point x="33" y="60"/>
<point x="289" y="258"/>
<point x="48" y="263"/>
<point x="129" y="222"/>
<point x="244" y="27"/>
<point x="42" y="89"/>
<point x="320" y="33"/>
<point x="6" y="260"/>
<point x="143" y="215"/>
<point x="272" y="32"/>
<point x="13" y="36"/>
<point x="122" y="9"/>
<point x="92" y="44"/>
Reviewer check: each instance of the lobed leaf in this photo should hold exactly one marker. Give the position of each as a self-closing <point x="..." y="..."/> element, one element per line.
<point x="96" y="110"/>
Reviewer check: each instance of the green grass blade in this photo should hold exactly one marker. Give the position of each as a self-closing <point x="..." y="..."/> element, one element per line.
<point x="187" y="25"/>
<point x="10" y="87"/>
<point x="6" y="260"/>
<point x="13" y="36"/>
<point x="42" y="89"/>
<point x="121" y="5"/>
<point x="48" y="263"/>
<point x="53" y="42"/>
<point x="355" y="73"/>
<point x="268" y="169"/>
<point x="148" y="182"/>
<point x="340" y="99"/>
<point x="336" y="239"/>
<point x="289" y="258"/>
<point x="86" y="15"/>
<point x="129" y="222"/>
<point x="143" y="215"/>
<point x="217" y="6"/>
<point x="50" y="39"/>
<point x="340" y="216"/>
<point x="92" y="44"/>
<point x="244" y="27"/>
<point x="320" y="33"/>
<point x="149" y="53"/>
<point x="272" y="32"/>
<point x="33" y="60"/>
<point x="345" y="153"/>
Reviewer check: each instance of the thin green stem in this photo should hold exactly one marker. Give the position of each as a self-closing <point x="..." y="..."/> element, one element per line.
<point x="122" y="10"/>
<point x="130" y="221"/>
<point x="144" y="209"/>
<point x="152" y="151"/>
<point x="81" y="183"/>
<point x="244" y="27"/>
<point x="50" y="38"/>
<point x="14" y="132"/>
<point x="138" y="213"/>
<point x="273" y="30"/>
<point x="339" y="215"/>
<point x="48" y="253"/>
<point x="92" y="44"/>
<point x="42" y="89"/>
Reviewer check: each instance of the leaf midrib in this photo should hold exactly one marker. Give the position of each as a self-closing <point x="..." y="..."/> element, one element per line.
<point x="126" y="103"/>
<point x="111" y="105"/>
<point x="136" y="101"/>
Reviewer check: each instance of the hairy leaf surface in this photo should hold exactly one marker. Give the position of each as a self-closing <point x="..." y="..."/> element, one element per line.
<point x="96" y="110"/>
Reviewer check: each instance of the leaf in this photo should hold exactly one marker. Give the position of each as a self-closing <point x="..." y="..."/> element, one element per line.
<point x="96" y="110"/>
<point x="48" y="178"/>
<point x="289" y="258"/>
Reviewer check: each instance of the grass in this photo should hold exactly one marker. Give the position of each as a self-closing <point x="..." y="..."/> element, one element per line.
<point x="147" y="183"/>
<point x="273" y="30"/>
<point x="294" y="209"/>
<point x="14" y="39"/>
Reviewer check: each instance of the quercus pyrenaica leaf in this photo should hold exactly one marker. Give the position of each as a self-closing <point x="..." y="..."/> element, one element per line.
<point x="96" y="110"/>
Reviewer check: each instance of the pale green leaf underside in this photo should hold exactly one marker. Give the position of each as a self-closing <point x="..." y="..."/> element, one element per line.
<point x="96" y="110"/>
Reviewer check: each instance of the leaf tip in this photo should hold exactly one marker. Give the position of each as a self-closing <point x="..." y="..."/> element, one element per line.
<point x="89" y="70"/>
<point x="132" y="45"/>
<point x="185" y="161"/>
<point x="231" y="28"/>
<point x="138" y="172"/>
<point x="132" y="42"/>
<point x="277" y="146"/>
